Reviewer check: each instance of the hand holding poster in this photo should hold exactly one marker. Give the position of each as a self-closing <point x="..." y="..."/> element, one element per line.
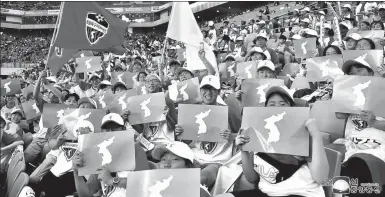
<point x="358" y="93"/>
<point x="164" y="182"/>
<point x="305" y="48"/>
<point x="88" y="64"/>
<point x="147" y="108"/>
<point x="322" y="68"/>
<point x="254" y="91"/>
<point x="31" y="110"/>
<point x="185" y="91"/>
<point x="203" y="122"/>
<point x="276" y="129"/>
<point x="10" y="87"/>
<point x="127" y="78"/>
<point x="105" y="150"/>
<point x="247" y="70"/>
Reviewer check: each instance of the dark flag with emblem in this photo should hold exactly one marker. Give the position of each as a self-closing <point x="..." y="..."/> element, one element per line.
<point x="57" y="57"/>
<point x="88" y="26"/>
<point x="105" y="150"/>
<point x="276" y="129"/>
<point x="203" y="122"/>
<point x="164" y="182"/>
<point x="10" y="87"/>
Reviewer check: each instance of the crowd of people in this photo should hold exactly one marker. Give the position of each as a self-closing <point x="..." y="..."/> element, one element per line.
<point x="266" y="42"/>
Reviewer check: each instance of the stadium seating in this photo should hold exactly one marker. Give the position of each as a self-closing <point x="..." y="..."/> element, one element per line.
<point x="20" y="183"/>
<point x="13" y="174"/>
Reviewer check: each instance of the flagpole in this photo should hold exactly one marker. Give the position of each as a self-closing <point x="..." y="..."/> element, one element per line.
<point x="163" y="61"/>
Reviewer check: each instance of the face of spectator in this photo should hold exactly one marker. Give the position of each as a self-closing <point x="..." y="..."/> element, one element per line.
<point x="22" y="99"/>
<point x="265" y="73"/>
<point x="71" y="101"/>
<point x="239" y="43"/>
<point x="260" y="42"/>
<point x="185" y="75"/>
<point x="382" y="13"/>
<point x="152" y="85"/>
<point x="359" y="71"/>
<point x="95" y="81"/>
<point x="15" y="118"/>
<point x="137" y="68"/>
<point x="119" y="89"/>
<point x="364" y="26"/>
<point x="173" y="67"/>
<point x="277" y="101"/>
<point x="363" y="45"/>
<point x="282" y="41"/>
<point x="257" y="56"/>
<point x="351" y="44"/>
<point x="53" y="98"/>
<point x="376" y="26"/>
<point x="344" y="30"/>
<point x="10" y="101"/>
<point x="64" y="92"/>
<point x="331" y="51"/>
<point x="142" y="77"/>
<point x="171" y="161"/>
<point x="86" y="106"/>
<point x="209" y="94"/>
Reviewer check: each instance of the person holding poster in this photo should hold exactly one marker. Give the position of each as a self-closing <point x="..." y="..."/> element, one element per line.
<point x="290" y="175"/>
<point x="210" y="155"/>
<point x="364" y="133"/>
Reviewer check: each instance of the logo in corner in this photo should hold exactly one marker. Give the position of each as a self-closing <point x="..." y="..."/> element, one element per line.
<point x="341" y="185"/>
<point x="96" y="27"/>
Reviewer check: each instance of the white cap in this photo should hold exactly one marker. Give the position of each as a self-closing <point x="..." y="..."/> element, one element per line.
<point x="52" y="79"/>
<point x="212" y="81"/>
<point x="327" y="25"/>
<point x="282" y="90"/>
<point x="240" y="38"/>
<point x="348" y="25"/>
<point x="341" y="185"/>
<point x="259" y="50"/>
<point x="105" y="82"/>
<point x="381" y="6"/>
<point x="17" y="110"/>
<point x="321" y="12"/>
<point x="306" y="20"/>
<point x="93" y="75"/>
<point x="312" y="32"/>
<point x="261" y="22"/>
<point x="178" y="148"/>
<point x="354" y="36"/>
<point x="211" y="23"/>
<point x="347" y="6"/>
<point x="112" y="117"/>
<point x="307" y="9"/>
<point x="266" y="64"/>
<point x="296" y="37"/>
<point x="263" y="35"/>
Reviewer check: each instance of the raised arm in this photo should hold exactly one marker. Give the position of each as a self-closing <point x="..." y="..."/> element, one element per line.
<point x="36" y="91"/>
<point x="209" y="67"/>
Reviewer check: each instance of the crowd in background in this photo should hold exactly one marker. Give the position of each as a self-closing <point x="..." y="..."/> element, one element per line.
<point x="265" y="40"/>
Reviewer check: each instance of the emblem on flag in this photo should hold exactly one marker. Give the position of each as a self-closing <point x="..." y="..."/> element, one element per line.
<point x="59" y="51"/>
<point x="96" y="27"/>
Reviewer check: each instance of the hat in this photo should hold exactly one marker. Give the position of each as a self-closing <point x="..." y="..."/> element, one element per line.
<point x="306" y="9"/>
<point x="359" y="60"/>
<point x="92" y="75"/>
<point x="87" y="100"/>
<point x="52" y="79"/>
<point x="327" y="25"/>
<point x="137" y="62"/>
<point x="381" y="6"/>
<point x="181" y="69"/>
<point x="321" y="12"/>
<point x="240" y="38"/>
<point x="212" y="81"/>
<point x="112" y="117"/>
<point x="297" y="10"/>
<point x="174" y="61"/>
<point x="17" y="110"/>
<point x="347" y="6"/>
<point x="259" y="50"/>
<point x="230" y="56"/>
<point x="354" y="36"/>
<point x="312" y="32"/>
<point x="347" y="25"/>
<point x="153" y="76"/>
<point x="261" y="22"/>
<point x="266" y="64"/>
<point x="306" y="20"/>
<point x="283" y="90"/>
<point x="105" y="82"/>
<point x="262" y="35"/>
<point x="211" y="23"/>
<point x="296" y="37"/>
<point x="178" y="148"/>
<point x="118" y="83"/>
